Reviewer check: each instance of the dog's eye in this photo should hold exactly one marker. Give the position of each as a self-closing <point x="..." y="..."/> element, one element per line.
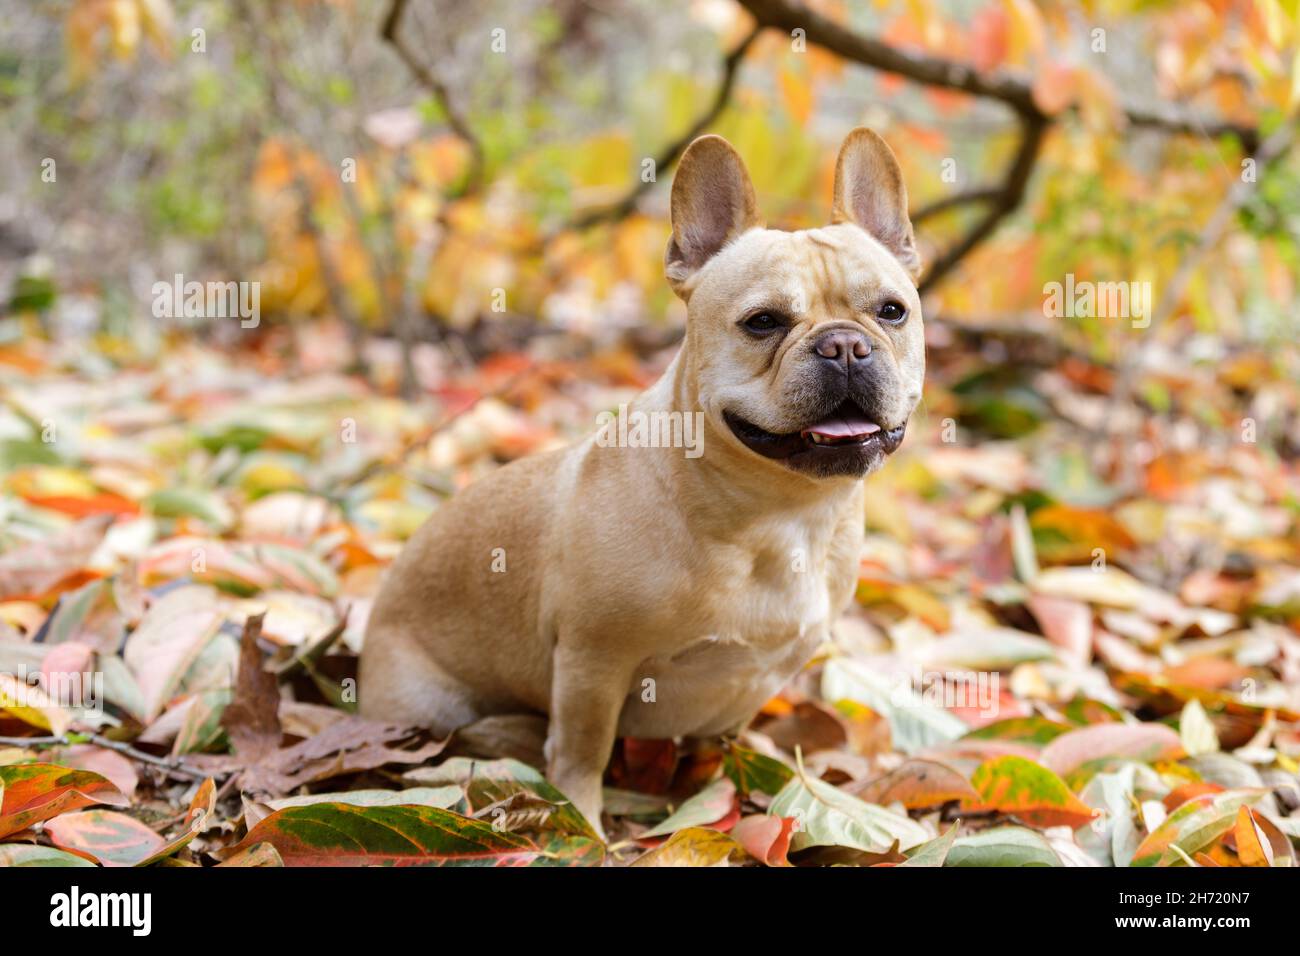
<point x="762" y="323"/>
<point x="891" y="313"/>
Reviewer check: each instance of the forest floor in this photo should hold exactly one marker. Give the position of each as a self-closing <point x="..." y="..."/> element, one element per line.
<point x="1042" y="664"/>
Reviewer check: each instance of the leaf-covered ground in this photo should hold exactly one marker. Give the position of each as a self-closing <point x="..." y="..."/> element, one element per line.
<point x="1042" y="666"/>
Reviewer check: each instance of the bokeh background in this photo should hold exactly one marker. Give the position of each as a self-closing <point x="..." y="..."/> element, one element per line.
<point x="456" y="214"/>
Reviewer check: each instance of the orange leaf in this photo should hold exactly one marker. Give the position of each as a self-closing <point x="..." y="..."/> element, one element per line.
<point x="38" y="791"/>
<point x="1015" y="785"/>
<point x="1180" y="795"/>
<point x="1252" y="847"/>
<point x="1055" y="87"/>
<point x="919" y="785"/>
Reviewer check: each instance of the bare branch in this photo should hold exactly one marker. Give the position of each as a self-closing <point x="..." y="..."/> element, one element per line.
<point x="1013" y="90"/>
<point x="391" y="32"/>
<point x="1003" y="201"/>
<point x="673" y="151"/>
<point x="955" y="201"/>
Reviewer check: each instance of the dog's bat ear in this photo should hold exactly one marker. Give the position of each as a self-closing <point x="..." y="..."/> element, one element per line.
<point x="869" y="192"/>
<point x="712" y="203"/>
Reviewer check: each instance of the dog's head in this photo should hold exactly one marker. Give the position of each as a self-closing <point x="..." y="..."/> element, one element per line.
<point x="805" y="348"/>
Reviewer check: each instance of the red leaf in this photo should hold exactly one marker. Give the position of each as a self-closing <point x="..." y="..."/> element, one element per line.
<point x="765" y="838"/>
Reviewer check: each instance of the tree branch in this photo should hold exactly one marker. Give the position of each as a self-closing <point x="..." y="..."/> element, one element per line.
<point x="673" y="151"/>
<point x="1003" y="201"/>
<point x="955" y="201"/>
<point x="455" y="119"/>
<point x="1011" y="89"/>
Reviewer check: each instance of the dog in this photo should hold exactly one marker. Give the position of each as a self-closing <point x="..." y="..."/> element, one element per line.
<point x="643" y="592"/>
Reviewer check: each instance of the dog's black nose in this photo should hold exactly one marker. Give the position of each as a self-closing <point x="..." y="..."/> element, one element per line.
<point x="842" y="346"/>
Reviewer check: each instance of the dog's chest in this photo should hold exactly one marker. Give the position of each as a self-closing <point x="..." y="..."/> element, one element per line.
<point x="738" y="640"/>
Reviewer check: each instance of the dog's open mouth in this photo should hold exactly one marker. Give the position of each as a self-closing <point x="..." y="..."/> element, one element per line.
<point x="845" y="432"/>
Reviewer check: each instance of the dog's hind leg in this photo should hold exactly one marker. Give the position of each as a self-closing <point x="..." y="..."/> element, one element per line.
<point x="404" y="685"/>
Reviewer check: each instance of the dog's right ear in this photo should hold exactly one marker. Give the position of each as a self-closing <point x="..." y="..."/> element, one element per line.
<point x="712" y="203"/>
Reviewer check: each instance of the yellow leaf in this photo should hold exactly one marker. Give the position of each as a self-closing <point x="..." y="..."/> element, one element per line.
<point x="1252" y="846"/>
<point x="124" y="28"/>
<point x="695" y="846"/>
<point x="270" y="476"/>
<point x="797" y="94"/>
<point x="1295" y="82"/>
<point x="1027" y="33"/>
<point x="31" y="705"/>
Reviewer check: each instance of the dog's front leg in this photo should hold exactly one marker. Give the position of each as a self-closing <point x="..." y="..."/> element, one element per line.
<point x="587" y="696"/>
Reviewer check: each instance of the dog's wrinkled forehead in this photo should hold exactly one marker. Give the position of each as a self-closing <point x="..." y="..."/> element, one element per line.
<point x="716" y="225"/>
<point x="814" y="270"/>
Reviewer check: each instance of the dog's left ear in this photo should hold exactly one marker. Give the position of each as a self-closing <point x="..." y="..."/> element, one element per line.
<point x="869" y="192"/>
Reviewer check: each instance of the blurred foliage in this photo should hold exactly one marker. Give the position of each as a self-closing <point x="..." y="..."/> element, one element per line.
<point x="188" y="135"/>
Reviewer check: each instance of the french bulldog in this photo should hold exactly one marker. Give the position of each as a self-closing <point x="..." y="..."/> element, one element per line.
<point x="629" y="588"/>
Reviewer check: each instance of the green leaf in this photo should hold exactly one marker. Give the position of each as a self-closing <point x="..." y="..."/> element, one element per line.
<point x="190" y="503"/>
<point x="753" y="772"/>
<point x="914" y="723"/>
<point x="20" y="854"/>
<point x="34" y="293"/>
<point x="16" y="452"/>
<point x="933" y="853"/>
<point x="1018" y="786"/>
<point x="712" y="804"/>
<point x="1081" y="710"/>
<point x="1031" y="730"/>
<point x="1003" y="846"/>
<point x="827" y="816"/>
<point x="337" y="834"/>
<point x="201" y="726"/>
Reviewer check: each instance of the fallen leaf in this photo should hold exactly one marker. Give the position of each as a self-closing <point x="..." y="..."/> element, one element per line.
<point x="715" y="806"/>
<point x="765" y="838"/>
<point x="338" y="834"/>
<point x="1022" y="788"/>
<point x="35" y="569"/>
<point x="1192" y="827"/>
<point x="35" y="792"/>
<point x="826" y="816"/>
<point x="1002" y="846"/>
<point x="251" y="719"/>
<point x="695" y="846"/>
<point x="918" y="785"/>
<point x="1144" y="742"/>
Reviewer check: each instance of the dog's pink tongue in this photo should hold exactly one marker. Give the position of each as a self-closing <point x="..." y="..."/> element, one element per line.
<point x="844" y="427"/>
